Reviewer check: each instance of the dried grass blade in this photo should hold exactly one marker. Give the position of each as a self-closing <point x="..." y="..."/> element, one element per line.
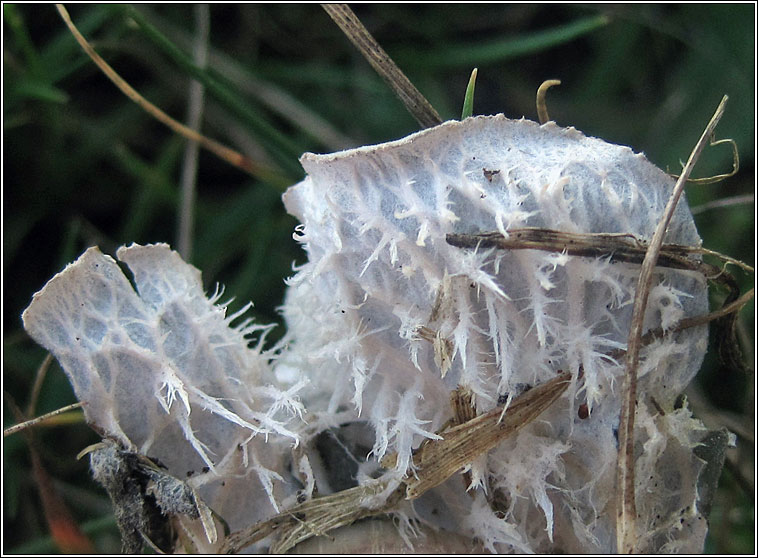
<point x="231" y="156"/>
<point x="438" y="460"/>
<point x="626" y="532"/>
<point x="314" y="518"/>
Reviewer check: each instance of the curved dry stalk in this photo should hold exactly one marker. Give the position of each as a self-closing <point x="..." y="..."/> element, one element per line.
<point x="414" y="101"/>
<point x="542" y="114"/>
<point x="227" y="154"/>
<point x="626" y="531"/>
<point x="719" y="177"/>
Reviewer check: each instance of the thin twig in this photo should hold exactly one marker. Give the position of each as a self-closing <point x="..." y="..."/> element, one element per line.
<point x="414" y="101"/>
<point x="231" y="156"/>
<point x="629" y="249"/>
<point x="619" y="247"/>
<point x="686" y="323"/>
<point x="40" y="419"/>
<point x="626" y="532"/>
<point x="194" y="118"/>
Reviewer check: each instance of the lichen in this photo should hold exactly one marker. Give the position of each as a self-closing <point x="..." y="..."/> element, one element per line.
<point x="388" y="319"/>
<point x="414" y="317"/>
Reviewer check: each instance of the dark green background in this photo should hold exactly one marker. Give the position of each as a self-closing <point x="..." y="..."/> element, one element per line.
<point x="83" y="165"/>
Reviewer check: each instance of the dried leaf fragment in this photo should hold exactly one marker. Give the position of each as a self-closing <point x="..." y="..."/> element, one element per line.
<point x="437" y="460"/>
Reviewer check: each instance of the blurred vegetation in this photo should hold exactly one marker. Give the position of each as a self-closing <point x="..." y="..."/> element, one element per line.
<point x="83" y="165"/>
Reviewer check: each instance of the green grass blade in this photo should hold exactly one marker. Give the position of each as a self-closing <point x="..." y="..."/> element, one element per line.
<point x="304" y="115"/>
<point x="21" y="37"/>
<point x="497" y="51"/>
<point x="40" y="91"/>
<point x="61" y="55"/>
<point x="282" y="149"/>
<point x="468" y="100"/>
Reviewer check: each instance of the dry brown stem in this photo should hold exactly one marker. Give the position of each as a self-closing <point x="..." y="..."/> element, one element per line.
<point x="629" y="249"/>
<point x="626" y="528"/>
<point x="414" y="101"/>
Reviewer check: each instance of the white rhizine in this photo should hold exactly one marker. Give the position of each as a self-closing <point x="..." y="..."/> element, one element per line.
<point x="386" y="319"/>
